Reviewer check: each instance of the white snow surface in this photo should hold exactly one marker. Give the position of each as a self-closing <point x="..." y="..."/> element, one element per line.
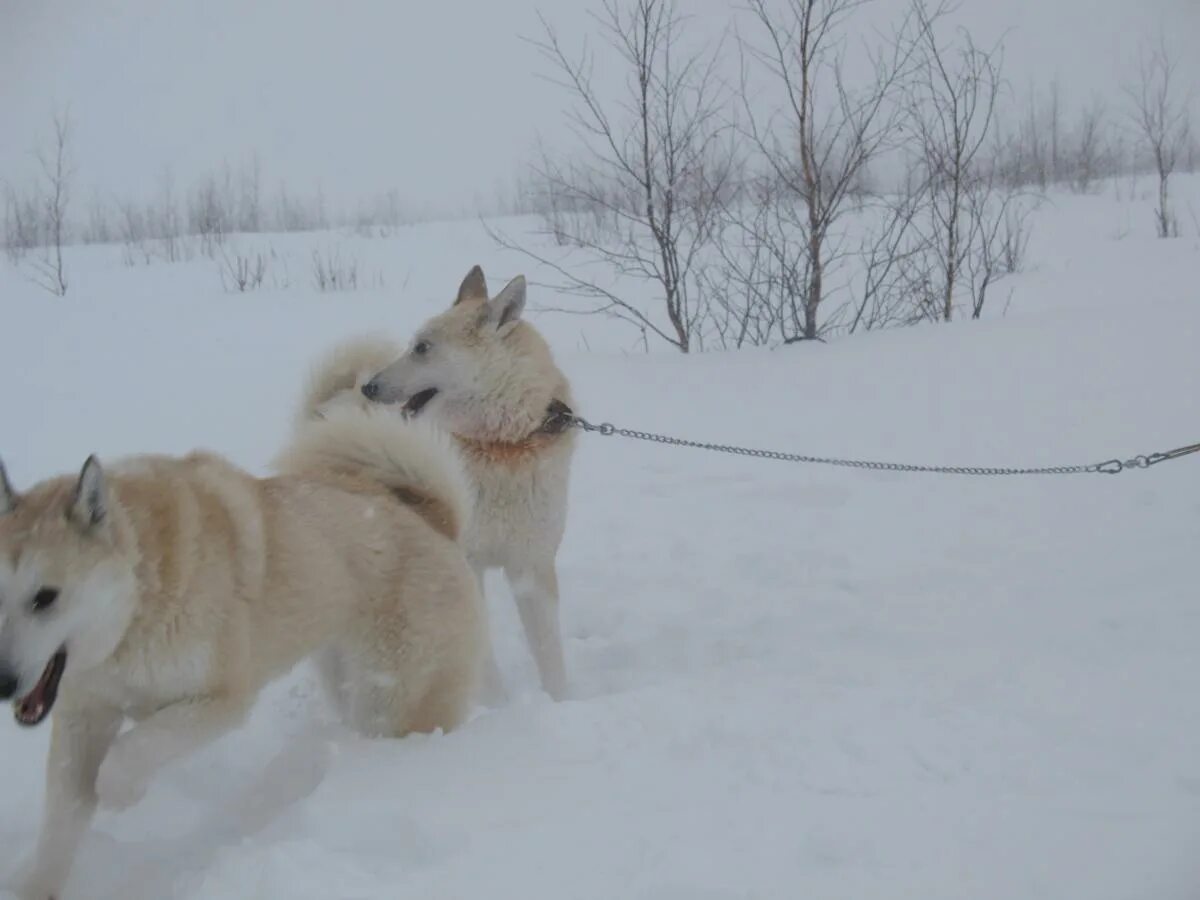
<point x="788" y="681"/>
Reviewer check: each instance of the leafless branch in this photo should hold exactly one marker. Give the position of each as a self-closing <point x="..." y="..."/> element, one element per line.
<point x="952" y="103"/>
<point x="818" y="144"/>
<point x="57" y="173"/>
<point x="1159" y="113"/>
<point x="641" y="195"/>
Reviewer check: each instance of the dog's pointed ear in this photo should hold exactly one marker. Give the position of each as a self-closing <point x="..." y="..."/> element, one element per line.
<point x="89" y="503"/>
<point x="473" y="287"/>
<point x="504" y="310"/>
<point x="8" y="497"/>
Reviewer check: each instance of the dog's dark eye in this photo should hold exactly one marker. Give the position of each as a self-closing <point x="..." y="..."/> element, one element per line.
<point x="44" y="599"/>
<point x="421" y="348"/>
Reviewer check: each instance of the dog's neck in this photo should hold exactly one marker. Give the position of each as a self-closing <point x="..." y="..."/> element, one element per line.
<point x="509" y="411"/>
<point x="555" y="422"/>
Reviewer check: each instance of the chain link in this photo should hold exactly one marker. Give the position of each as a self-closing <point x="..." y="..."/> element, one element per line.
<point x="1108" y="467"/>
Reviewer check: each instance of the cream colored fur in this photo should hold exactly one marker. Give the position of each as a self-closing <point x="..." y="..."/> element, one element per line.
<point x="186" y="585"/>
<point x="420" y="462"/>
<point x="495" y="377"/>
<point x="345" y="370"/>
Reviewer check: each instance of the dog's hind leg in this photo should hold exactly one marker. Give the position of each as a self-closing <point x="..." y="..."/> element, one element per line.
<point x="448" y="700"/>
<point x="386" y="701"/>
<point x="78" y="743"/>
<point x="378" y="700"/>
<point x="535" y="588"/>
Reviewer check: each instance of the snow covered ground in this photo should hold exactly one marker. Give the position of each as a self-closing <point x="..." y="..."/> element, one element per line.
<point x="789" y="681"/>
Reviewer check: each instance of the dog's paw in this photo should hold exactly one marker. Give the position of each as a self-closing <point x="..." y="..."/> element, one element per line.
<point x="119" y="784"/>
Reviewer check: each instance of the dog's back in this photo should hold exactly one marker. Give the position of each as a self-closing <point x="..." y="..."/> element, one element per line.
<point x="338" y="543"/>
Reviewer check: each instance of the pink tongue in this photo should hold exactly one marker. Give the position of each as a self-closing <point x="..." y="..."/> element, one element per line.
<point x="32" y="706"/>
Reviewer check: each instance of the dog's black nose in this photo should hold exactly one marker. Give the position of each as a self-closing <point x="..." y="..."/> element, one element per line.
<point x="370" y="390"/>
<point x="8" y="684"/>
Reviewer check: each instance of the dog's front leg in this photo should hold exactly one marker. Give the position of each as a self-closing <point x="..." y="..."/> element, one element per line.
<point x="535" y="588"/>
<point x="170" y="734"/>
<point x="79" y="740"/>
<point x="493" y="692"/>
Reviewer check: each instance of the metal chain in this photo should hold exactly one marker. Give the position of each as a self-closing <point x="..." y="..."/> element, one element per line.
<point x="1108" y="467"/>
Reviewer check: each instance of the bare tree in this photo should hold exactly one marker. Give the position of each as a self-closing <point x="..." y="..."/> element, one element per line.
<point x="888" y="251"/>
<point x="998" y="237"/>
<point x="164" y="221"/>
<point x="209" y="216"/>
<point x="22" y="224"/>
<point x="13" y="246"/>
<point x="761" y="269"/>
<point x="56" y="173"/>
<point x="250" y="218"/>
<point x="1159" y="111"/>
<point x="241" y="273"/>
<point x="1088" y="162"/>
<point x="818" y="145"/>
<point x="98" y="229"/>
<point x="294" y="213"/>
<point x="330" y="273"/>
<point x="952" y="106"/>
<point x="1057" y="167"/>
<point x="641" y="196"/>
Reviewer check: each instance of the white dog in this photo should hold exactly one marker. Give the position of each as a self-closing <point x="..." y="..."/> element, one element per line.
<point x="169" y="591"/>
<point x="485" y="375"/>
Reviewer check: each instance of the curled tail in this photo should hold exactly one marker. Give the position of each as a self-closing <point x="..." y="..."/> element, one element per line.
<point x="420" y="465"/>
<point x="337" y="379"/>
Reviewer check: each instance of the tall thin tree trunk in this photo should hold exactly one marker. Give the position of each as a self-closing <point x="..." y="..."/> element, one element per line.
<point x="816" y="280"/>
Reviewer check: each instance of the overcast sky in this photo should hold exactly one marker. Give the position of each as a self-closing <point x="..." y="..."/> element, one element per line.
<point x="438" y="100"/>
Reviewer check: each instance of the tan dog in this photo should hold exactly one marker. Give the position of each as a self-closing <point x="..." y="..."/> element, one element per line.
<point x="169" y="591"/>
<point x="485" y="375"/>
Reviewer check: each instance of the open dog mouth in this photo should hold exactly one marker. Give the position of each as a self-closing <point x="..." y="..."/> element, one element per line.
<point x="33" y="708"/>
<point x="418" y="401"/>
